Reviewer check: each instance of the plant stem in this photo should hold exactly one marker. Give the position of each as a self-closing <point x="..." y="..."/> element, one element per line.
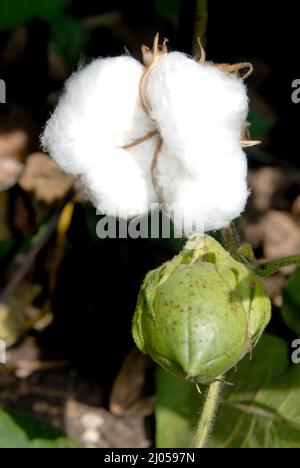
<point x="273" y="266"/>
<point x="206" y="421"/>
<point x="230" y="240"/>
<point x="200" y="23"/>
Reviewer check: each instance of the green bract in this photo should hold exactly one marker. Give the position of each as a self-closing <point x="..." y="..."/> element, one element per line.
<point x="199" y="314"/>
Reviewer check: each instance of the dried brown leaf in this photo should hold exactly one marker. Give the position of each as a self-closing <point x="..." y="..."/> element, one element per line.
<point x="10" y="172"/>
<point x="15" y="314"/>
<point x="44" y="179"/>
<point x="272" y="187"/>
<point x="281" y="236"/>
<point x="129" y="385"/>
<point x="296" y="207"/>
<point x="13" y="145"/>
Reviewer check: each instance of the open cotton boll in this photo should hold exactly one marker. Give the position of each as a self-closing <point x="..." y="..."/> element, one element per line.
<point x="211" y="95"/>
<point x="205" y="203"/>
<point x="208" y="206"/>
<point x="194" y="105"/>
<point x="200" y="111"/>
<point x="99" y="113"/>
<point x="124" y="190"/>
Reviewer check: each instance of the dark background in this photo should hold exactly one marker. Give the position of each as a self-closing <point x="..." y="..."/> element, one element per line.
<point x="98" y="281"/>
<point x="250" y="30"/>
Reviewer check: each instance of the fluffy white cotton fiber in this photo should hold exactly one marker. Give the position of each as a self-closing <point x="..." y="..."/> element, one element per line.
<point x="99" y="113"/>
<point x="200" y="111"/>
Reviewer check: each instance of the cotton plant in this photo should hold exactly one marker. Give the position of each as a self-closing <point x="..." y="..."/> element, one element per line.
<point x="173" y="131"/>
<point x="102" y="133"/>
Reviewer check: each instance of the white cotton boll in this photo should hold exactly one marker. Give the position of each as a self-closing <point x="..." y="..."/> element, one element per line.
<point x="123" y="189"/>
<point x="194" y="105"/>
<point x="121" y="185"/>
<point x="171" y="172"/>
<point x="99" y="113"/>
<point x="200" y="111"/>
<point x="94" y="112"/>
<point x="209" y="202"/>
<point x="178" y="84"/>
<point x="211" y="205"/>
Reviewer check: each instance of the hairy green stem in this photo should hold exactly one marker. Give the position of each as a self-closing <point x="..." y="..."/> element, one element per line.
<point x="231" y="243"/>
<point x="273" y="266"/>
<point x="210" y="407"/>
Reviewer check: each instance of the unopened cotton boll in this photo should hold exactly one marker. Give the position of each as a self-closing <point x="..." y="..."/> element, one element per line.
<point x="98" y="114"/>
<point x="200" y="110"/>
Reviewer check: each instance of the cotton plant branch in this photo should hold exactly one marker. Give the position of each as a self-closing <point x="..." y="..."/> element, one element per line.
<point x="245" y="254"/>
<point x="206" y="421"/>
<point x="230" y="239"/>
<point x="272" y="267"/>
<point x="200" y="23"/>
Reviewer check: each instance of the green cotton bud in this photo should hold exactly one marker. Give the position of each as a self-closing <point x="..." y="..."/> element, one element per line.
<point x="199" y="314"/>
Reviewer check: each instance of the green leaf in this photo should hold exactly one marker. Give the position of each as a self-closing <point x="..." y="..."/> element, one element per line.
<point x="49" y="9"/>
<point x="17" y="12"/>
<point x="176" y="412"/>
<point x="291" y="303"/>
<point x="5" y="248"/>
<point x="68" y="38"/>
<point x="261" y="410"/>
<point x="169" y="9"/>
<point x="18" y="430"/>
